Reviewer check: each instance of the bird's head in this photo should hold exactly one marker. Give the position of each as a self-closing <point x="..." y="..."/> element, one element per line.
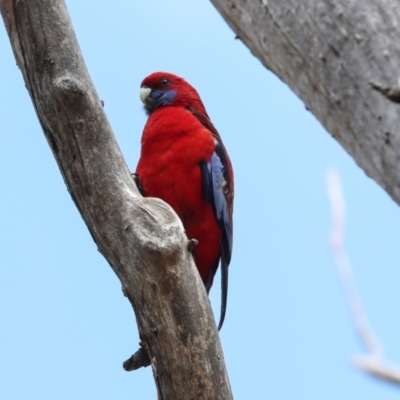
<point x="164" y="89"/>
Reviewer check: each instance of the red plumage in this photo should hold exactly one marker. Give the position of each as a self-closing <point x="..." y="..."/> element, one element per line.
<point x="184" y="162"/>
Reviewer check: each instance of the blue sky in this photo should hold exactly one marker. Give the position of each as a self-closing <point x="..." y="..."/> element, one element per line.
<point x="65" y="326"/>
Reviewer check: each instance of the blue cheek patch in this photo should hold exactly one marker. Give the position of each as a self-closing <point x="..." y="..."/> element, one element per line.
<point x="163" y="97"/>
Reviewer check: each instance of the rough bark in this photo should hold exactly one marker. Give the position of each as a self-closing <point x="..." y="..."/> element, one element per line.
<point x="142" y="239"/>
<point x="342" y="58"/>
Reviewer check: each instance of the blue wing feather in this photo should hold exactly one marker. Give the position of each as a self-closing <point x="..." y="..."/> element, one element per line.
<point x="218" y="189"/>
<point x="215" y="185"/>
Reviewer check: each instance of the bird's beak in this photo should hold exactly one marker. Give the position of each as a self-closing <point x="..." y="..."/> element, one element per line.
<point x="144" y="94"/>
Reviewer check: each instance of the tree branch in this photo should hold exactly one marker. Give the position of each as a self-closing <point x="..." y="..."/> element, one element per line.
<point x="374" y="363"/>
<point x="142" y="239"/>
<point x="328" y="52"/>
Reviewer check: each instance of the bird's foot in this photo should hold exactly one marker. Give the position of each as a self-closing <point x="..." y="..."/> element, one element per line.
<point x="192" y="243"/>
<point x="138" y="183"/>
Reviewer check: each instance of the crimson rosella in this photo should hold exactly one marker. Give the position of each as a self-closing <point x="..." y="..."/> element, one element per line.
<point x="184" y="162"/>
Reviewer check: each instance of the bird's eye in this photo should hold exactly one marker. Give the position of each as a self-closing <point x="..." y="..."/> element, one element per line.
<point x="164" y="81"/>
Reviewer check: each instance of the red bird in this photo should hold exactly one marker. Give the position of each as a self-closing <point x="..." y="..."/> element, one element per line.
<point x="184" y="162"/>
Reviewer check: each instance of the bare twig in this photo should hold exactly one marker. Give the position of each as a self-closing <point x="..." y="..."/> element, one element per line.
<point x="343" y="264"/>
<point x="379" y="368"/>
<point x="374" y="363"/>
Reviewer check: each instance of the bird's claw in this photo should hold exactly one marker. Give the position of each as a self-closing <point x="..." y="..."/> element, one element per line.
<point x="192" y="243"/>
<point x="138" y="183"/>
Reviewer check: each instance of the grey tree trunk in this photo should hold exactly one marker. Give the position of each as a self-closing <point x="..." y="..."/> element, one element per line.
<point x="342" y="58"/>
<point x="142" y="239"/>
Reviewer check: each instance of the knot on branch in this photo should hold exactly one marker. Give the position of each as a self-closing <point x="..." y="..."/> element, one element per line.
<point x="390" y="92"/>
<point x="163" y="230"/>
<point x="65" y="86"/>
<point x="74" y="93"/>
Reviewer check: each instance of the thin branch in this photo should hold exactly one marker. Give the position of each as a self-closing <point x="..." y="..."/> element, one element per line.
<point x="374" y="363"/>
<point x="379" y="368"/>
